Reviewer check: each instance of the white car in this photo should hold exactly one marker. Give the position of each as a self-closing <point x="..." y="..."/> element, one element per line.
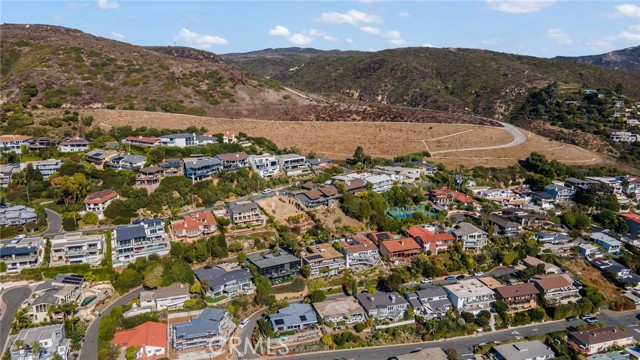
<point x="479" y="273"/>
<point x="425" y="281"/>
<point x="244" y="323"/>
<point x="267" y="191"/>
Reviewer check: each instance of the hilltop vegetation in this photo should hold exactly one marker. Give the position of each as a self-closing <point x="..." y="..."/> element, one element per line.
<point x="459" y="80"/>
<point x="625" y="59"/>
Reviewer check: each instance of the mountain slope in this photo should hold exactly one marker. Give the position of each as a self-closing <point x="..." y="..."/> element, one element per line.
<point x="72" y="69"/>
<point x="458" y="80"/>
<point x="625" y="59"/>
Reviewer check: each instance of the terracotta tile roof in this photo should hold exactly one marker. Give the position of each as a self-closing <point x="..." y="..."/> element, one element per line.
<point x="631" y="216"/>
<point x="147" y="334"/>
<point x="457" y="196"/>
<point x="100" y="196"/>
<point x="194" y="221"/>
<point x="509" y="291"/>
<point x="401" y="245"/>
<point x="427" y="236"/>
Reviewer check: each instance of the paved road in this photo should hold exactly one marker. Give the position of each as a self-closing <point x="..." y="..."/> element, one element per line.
<point x="89" y="350"/>
<point x="13" y="298"/>
<point x="464" y="345"/>
<point x="520" y="138"/>
<point x="54" y="223"/>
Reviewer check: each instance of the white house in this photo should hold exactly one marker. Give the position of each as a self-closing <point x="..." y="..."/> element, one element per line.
<point x="379" y="183"/>
<point x="13" y="143"/>
<point x="266" y="165"/>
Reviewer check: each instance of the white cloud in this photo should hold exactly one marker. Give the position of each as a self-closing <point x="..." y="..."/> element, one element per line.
<point x="398" y="42"/>
<point x="371" y="30"/>
<point x="199" y="41"/>
<point x="314" y="32"/>
<point x="279" y="31"/>
<point x="631" y="34"/>
<point x="628" y="10"/>
<point x="349" y="41"/>
<point x="300" y="39"/>
<point x="560" y="36"/>
<point x="78" y="5"/>
<point x="117" y="36"/>
<point x="330" y="38"/>
<point x="393" y="36"/>
<point x="602" y="45"/>
<point x="353" y="17"/>
<point x="404" y="14"/>
<point x="519" y="6"/>
<point x="108" y="5"/>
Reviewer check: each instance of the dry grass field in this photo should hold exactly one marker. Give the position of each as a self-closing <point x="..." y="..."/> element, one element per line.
<point x="338" y="140"/>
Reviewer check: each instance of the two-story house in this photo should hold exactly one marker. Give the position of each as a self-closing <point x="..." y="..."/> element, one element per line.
<point x="204" y="168"/>
<point x="23" y="255"/>
<point x="266" y="165"/>
<point x="359" y="252"/>
<point x="339" y="310"/>
<point x="13" y="143"/>
<point x="42" y="143"/>
<point x="610" y="244"/>
<point x="518" y="296"/>
<point x="51" y="340"/>
<point x="77" y="248"/>
<point x="323" y="196"/>
<point x="47" y="167"/>
<point x="210" y="329"/>
<point x="593" y="341"/>
<point x="379" y="183"/>
<point x="430" y="302"/>
<point x="172" y="167"/>
<point x="294" y="164"/>
<point x="73" y="145"/>
<point x="149" y="176"/>
<point x="6" y="173"/>
<point x="170" y="297"/>
<point x="127" y="162"/>
<point x="194" y="225"/>
<point x="323" y="260"/>
<point x="182" y="140"/>
<point x="98" y="201"/>
<point x="275" y="264"/>
<point x="142" y="141"/>
<point x="383" y="305"/>
<point x="557" y="288"/>
<point x="400" y="252"/>
<point x="505" y="226"/>
<point x="233" y="161"/>
<point x="470" y="296"/>
<point x="560" y="192"/>
<point x="99" y="157"/>
<point x="16" y="215"/>
<point x="472" y="237"/>
<point x="432" y="243"/>
<point x="222" y="281"/>
<point x="245" y="213"/>
<point x="295" y="317"/>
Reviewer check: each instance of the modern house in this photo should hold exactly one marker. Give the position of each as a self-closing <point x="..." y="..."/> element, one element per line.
<point x="588" y="250"/>
<point x="505" y="226"/>
<point x="399" y="173"/>
<point x="470" y="296"/>
<point x="430" y="302"/>
<point x="74" y="145"/>
<point x="149" y="176"/>
<point x="169" y="297"/>
<point x="99" y="157"/>
<point x="552" y="238"/>
<point x="383" y="305"/>
<point x="523" y="350"/>
<point x="323" y="196"/>
<point x="63" y="289"/>
<point x="296" y="317"/>
<point x="13" y="143"/>
<point x="47" y="167"/>
<point x="22" y="255"/>
<point x="17" y="215"/>
<point x="472" y="237"/>
<point x="266" y="165"/>
<point x="210" y="329"/>
<point x="6" y="172"/>
<point x="142" y="141"/>
<point x="226" y="282"/>
<point x="597" y="340"/>
<point x="557" y="288"/>
<point x="379" y="183"/>
<point x="77" y="248"/>
<point x="323" y="260"/>
<point x="543" y="199"/>
<point x="233" y="161"/>
<point x="42" y="143"/>
<point x="345" y="310"/>
<point x="320" y="164"/>
<point x="52" y="341"/>
<point x="194" y="225"/>
<point x="610" y="244"/>
<point x="623" y="136"/>
<point x="432" y="243"/>
<point x="139" y="240"/>
<point x="203" y="168"/>
<point x="98" y="201"/>
<point x="379" y="236"/>
<point x="149" y="338"/>
<point x="275" y="264"/>
<point x="293" y="164"/>
<point x="172" y="167"/>
<point x="518" y="296"/>
<point x="127" y="162"/>
<point x="245" y="213"/>
<point x="359" y="251"/>
<point x="400" y="252"/>
<point x="186" y="140"/>
<point x="560" y="192"/>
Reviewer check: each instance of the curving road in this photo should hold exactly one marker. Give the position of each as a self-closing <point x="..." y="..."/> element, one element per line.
<point x="54" y="223"/>
<point x="520" y="138"/>
<point x="12" y="298"/>
<point x="89" y="350"/>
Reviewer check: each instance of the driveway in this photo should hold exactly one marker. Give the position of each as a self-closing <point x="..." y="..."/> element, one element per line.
<point x="12" y="298"/>
<point x="54" y="223"/>
<point x="89" y="350"/>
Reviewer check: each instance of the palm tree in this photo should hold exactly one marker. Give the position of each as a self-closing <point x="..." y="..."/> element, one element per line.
<point x="35" y="349"/>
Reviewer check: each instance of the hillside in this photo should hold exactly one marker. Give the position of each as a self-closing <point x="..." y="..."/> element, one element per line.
<point x="56" y="67"/>
<point x="457" y="80"/>
<point x="625" y="59"/>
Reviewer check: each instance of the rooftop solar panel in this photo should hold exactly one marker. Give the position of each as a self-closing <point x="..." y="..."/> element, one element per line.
<point x="313" y="257"/>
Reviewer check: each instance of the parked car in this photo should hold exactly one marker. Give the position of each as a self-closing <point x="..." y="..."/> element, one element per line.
<point x="267" y="191"/>
<point x="425" y="281"/>
<point x="449" y="278"/>
<point x="244" y="323"/>
<point x="460" y="277"/>
<point x="479" y="273"/>
<point x="572" y="318"/>
<point x="591" y="320"/>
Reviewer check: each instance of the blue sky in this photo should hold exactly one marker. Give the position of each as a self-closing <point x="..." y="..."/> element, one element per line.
<point x="543" y="28"/>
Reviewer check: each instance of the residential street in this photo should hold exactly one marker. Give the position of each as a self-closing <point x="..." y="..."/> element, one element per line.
<point x="54" y="223"/>
<point x="463" y="345"/>
<point x="89" y="349"/>
<point x="12" y="298"/>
